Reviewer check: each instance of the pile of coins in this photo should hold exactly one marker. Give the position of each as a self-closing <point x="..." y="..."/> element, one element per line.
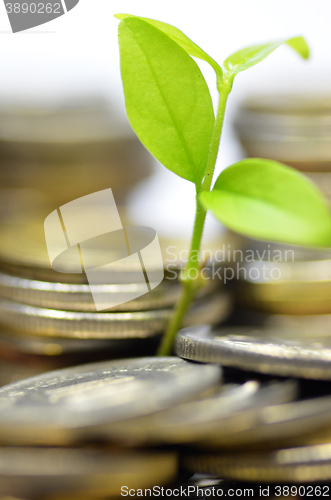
<point x="52" y="155"/>
<point x="268" y="442"/>
<point x="49" y="319"/>
<point x="90" y="412"/>
<point x="102" y="429"/>
<point x="291" y="129"/>
<point x="294" y="130"/>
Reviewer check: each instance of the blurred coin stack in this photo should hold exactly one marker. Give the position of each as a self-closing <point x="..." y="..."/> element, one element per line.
<point x="288" y="281"/>
<point x="284" y="442"/>
<point x="102" y="429"/>
<point x="50" y="155"/>
<point x="280" y="328"/>
<point x="295" y="130"/>
<point x="249" y="404"/>
<point x="53" y="315"/>
<point x="51" y="159"/>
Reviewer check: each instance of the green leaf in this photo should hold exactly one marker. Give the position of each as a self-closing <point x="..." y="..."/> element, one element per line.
<point x="268" y="200"/>
<point x="167" y="99"/>
<point x="180" y="38"/>
<point x="248" y="57"/>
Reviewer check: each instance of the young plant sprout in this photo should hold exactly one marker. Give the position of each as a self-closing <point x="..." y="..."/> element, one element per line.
<point x="170" y="108"/>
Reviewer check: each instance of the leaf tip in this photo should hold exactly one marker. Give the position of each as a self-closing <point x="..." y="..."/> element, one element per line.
<point x="121" y="16"/>
<point x="300" y="45"/>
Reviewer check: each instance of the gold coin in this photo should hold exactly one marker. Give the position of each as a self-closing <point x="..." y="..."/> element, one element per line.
<point x="90" y="472"/>
<point x="323" y="182"/>
<point x="23" y="253"/>
<point x="302" y="287"/>
<point x="292" y="129"/>
<point x="306" y="464"/>
<point x="68" y="152"/>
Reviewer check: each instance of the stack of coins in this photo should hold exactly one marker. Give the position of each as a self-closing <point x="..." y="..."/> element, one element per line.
<point x="241" y="408"/>
<point x="131" y="424"/>
<point x="285" y="280"/>
<point x="284" y="443"/>
<point x="281" y="280"/>
<point x="49" y="319"/>
<point x="291" y="129"/>
<point x="57" y="427"/>
<point x="51" y="155"/>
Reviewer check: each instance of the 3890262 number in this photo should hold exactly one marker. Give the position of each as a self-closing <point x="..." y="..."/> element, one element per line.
<point x="33" y="8"/>
<point x="302" y="491"/>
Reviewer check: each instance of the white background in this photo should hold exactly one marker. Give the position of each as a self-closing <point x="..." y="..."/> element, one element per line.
<point x="77" y="55"/>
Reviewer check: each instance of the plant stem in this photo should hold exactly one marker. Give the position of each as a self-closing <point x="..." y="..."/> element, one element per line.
<point x="190" y="279"/>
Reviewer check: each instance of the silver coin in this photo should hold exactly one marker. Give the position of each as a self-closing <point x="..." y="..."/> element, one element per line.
<point x="78" y="402"/>
<point x="81" y="473"/>
<point x="304" y="464"/>
<point x="271" y="351"/>
<point x="78" y="297"/>
<point x="108" y="325"/>
<point x="233" y="408"/>
<point x="277" y="425"/>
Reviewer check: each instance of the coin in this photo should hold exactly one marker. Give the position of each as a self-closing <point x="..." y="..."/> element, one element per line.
<point x="294" y="465"/>
<point x="207" y="419"/>
<point x="261" y="350"/>
<point x="69" y="151"/>
<point x="291" y="129"/>
<point x="108" y="325"/>
<point x="13" y="371"/>
<point x="92" y="472"/>
<point x="26" y="356"/>
<point x="306" y="324"/>
<point x="277" y="425"/>
<point x="78" y="297"/>
<point x="52" y="347"/>
<point x="323" y="182"/>
<point x="205" y="486"/>
<point x="43" y="346"/>
<point x="81" y="402"/>
<point x="301" y="287"/>
<point x="23" y="253"/>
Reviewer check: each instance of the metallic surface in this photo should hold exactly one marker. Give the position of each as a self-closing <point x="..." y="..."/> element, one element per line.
<point x="112" y="325"/>
<point x="273" y="351"/>
<point x="78" y="297"/>
<point x="81" y="402"/>
<point x="81" y="473"/>
<point x="277" y="425"/>
<point x="291" y="129"/>
<point x="300" y="287"/>
<point x="206" y="420"/>
<point x="291" y="465"/>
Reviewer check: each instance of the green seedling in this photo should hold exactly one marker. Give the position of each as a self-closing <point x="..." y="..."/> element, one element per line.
<point x="169" y="106"/>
